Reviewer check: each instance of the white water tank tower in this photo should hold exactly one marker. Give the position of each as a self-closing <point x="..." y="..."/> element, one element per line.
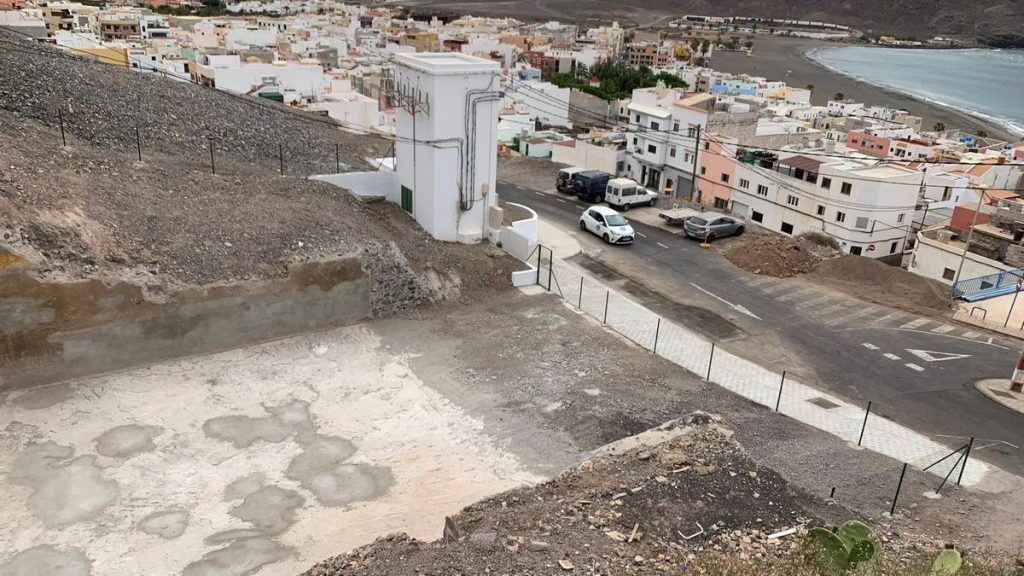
<point x="446" y="141"/>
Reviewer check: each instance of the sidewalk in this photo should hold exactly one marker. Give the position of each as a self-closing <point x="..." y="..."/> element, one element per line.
<point x="998" y="390"/>
<point x="797" y="400"/>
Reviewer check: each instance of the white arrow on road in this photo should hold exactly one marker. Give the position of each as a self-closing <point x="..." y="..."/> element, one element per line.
<point x="930" y="356"/>
<point x="735" y="307"/>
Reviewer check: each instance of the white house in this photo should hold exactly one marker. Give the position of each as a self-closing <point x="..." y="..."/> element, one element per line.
<point x="865" y="205"/>
<point x="542" y="101"/>
<point x="228" y="72"/>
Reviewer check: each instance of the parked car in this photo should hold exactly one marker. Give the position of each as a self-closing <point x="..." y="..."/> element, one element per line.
<point x="711" y="225"/>
<point x="590" y="185"/>
<point x="611" y="226"/>
<point x="563" y="181"/>
<point x="624" y="193"/>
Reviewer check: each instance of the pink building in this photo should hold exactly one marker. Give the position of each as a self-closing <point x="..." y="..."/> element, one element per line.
<point x="717" y="160"/>
<point x="868" y="143"/>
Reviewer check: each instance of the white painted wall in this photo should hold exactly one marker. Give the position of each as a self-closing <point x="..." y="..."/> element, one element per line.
<point x="931" y="258"/>
<point x="544" y="101"/>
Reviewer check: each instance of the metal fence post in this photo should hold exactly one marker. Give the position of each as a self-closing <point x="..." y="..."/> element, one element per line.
<point x="899" y="485"/>
<point x="781" y="384"/>
<point x="280" y="157"/>
<point x="540" y="254"/>
<point x="551" y="266"/>
<point x="966" y="456"/>
<point x="60" y="120"/>
<point x="657" y="331"/>
<point x="711" y="361"/>
<point x="213" y="165"/>
<point x="579" y="304"/>
<point x="337" y="158"/>
<point x="607" y="293"/>
<point x="865" y="424"/>
<point x="950" y="473"/>
<point x="138" y="142"/>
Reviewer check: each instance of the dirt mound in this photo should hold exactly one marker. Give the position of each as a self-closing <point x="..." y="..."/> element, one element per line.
<point x="777" y="255"/>
<point x="872" y="280"/>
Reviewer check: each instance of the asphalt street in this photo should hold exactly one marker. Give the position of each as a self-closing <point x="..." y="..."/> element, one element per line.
<point x="919" y="371"/>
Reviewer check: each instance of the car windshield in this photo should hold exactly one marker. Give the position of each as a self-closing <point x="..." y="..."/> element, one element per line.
<point x="698" y="221"/>
<point x="615" y="220"/>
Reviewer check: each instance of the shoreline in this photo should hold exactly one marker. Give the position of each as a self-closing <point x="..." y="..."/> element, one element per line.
<point x="789" y="60"/>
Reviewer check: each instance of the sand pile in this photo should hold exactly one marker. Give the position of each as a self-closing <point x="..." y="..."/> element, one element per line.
<point x="777" y="255"/>
<point x="877" y="282"/>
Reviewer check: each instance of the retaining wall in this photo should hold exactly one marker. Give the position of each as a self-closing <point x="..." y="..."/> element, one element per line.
<point x="51" y="331"/>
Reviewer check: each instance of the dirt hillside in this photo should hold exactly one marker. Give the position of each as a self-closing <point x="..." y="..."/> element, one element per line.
<point x="777" y="255"/>
<point x="874" y="281"/>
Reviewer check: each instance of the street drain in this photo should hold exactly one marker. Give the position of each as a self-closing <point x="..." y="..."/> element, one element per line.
<point x="826" y="404"/>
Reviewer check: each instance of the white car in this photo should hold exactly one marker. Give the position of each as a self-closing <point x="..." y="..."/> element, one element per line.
<point x="611" y="226"/>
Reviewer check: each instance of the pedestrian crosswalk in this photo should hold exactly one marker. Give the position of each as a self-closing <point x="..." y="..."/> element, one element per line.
<point x="838" y="311"/>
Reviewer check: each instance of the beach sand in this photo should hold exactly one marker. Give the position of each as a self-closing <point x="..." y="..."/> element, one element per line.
<point x="778" y="58"/>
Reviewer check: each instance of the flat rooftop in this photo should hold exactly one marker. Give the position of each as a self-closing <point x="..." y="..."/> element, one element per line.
<point x="441" y="63"/>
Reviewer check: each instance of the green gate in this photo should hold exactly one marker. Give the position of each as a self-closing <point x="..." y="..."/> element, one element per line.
<point x="407" y="199"/>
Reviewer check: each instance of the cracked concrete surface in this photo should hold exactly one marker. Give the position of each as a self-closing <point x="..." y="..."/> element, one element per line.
<point x="259" y="461"/>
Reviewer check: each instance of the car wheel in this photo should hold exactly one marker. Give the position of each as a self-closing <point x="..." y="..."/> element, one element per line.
<point x="606" y="238"/>
<point x="739" y="231"/>
<point x="583" y="225"/>
<point x="653" y="202"/>
<point x="711" y="237"/>
<point x="600" y="198"/>
<point x="625" y="207"/>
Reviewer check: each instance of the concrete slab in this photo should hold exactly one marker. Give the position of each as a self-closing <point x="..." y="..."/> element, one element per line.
<point x="261" y="460"/>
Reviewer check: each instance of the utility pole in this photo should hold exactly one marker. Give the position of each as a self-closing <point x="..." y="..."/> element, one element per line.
<point x="967" y="244"/>
<point x="693" y="177"/>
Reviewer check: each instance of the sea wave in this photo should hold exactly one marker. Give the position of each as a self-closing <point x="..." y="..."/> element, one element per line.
<point x="1011" y="125"/>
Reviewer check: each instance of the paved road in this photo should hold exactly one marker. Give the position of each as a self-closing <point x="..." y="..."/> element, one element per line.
<point x="859" y="350"/>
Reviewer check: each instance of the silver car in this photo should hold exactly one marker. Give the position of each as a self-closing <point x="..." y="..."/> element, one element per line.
<point x="711" y="225"/>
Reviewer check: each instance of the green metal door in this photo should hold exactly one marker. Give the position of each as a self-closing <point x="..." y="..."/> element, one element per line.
<point x="407" y="199"/>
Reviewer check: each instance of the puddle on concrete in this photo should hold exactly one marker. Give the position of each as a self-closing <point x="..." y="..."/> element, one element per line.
<point x="127" y="441"/>
<point x="284" y="422"/>
<point x="47" y="560"/>
<point x="244" y="486"/>
<point x="168" y="524"/>
<point x="271" y="509"/>
<point x="240" y="558"/>
<point x="43" y="398"/>
<point x="320" y="469"/>
<point x="63" y="492"/>
<point x="231" y="535"/>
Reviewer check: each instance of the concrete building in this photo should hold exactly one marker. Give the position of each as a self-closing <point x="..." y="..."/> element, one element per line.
<point x="866" y="206"/>
<point x="543" y="101"/>
<point x="604" y="152"/>
<point x="445" y="149"/>
<point x="228" y="72"/>
<point x="717" y="172"/>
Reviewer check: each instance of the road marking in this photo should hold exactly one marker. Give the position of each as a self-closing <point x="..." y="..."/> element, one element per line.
<point x="914" y="367"/>
<point x="662" y="245"/>
<point x="777" y="288"/>
<point x="943" y="329"/>
<point x="796" y="294"/>
<point x="971" y="334"/>
<point x="827" y="311"/>
<point x="890" y="317"/>
<point x="758" y="281"/>
<point x="813" y="302"/>
<point x="869" y="345"/>
<point x="560" y="200"/>
<point x="538" y="192"/>
<point x="931" y="356"/>
<point x="641" y="234"/>
<point x="735" y="307"/>
<point x="858" y="314"/>
<point x="891" y="356"/>
<point x="915" y="323"/>
<point x="988" y="343"/>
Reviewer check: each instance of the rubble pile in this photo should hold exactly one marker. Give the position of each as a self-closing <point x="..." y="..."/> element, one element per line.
<point x="777" y="255"/>
<point x="884" y="284"/>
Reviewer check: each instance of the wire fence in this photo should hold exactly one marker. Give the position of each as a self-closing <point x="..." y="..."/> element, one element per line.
<point x="780" y="392"/>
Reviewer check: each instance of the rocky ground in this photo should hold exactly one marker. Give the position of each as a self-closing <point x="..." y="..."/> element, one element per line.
<point x="532" y="173"/>
<point x="103" y="105"/>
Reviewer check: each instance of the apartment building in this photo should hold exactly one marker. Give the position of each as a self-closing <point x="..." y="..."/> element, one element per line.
<point x="662" y="139"/>
<point x="865" y="205"/>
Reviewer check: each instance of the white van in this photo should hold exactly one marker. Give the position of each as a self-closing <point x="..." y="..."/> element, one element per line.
<point x="625" y="193"/>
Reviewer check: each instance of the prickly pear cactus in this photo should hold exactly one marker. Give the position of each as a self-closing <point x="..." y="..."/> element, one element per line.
<point x="853" y="532"/>
<point x="833" y="556"/>
<point x="947" y="563"/>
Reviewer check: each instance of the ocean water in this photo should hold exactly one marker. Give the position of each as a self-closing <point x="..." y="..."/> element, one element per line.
<point x="988" y="83"/>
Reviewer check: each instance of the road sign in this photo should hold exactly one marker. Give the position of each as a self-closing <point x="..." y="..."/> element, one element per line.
<point x="931" y="356"/>
<point x="1020" y="284"/>
<point x="871" y="247"/>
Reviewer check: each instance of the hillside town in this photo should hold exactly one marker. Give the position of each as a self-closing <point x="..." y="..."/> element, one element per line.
<point x="327" y="288"/>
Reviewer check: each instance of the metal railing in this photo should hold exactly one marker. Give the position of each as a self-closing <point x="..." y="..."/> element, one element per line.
<point x="988" y="286"/>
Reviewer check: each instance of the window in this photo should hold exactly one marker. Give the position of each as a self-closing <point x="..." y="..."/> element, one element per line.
<point x="672" y="152"/>
<point x="655" y="125"/>
<point x="703" y="170"/>
<point x="675" y="126"/>
<point x="762" y="190"/>
<point x="821" y="210"/>
<point x="757" y="216"/>
<point x="840" y="216"/>
<point x="687" y="157"/>
<point x="786" y="228"/>
<point x="707" y="145"/>
<point x="855" y="250"/>
<point x="725" y="177"/>
<point x="628" y="192"/>
<point x="899" y="219"/>
<point x="792" y="200"/>
<point x="948" y="274"/>
<point x="619" y="166"/>
<point x="637" y="119"/>
<point x="651" y="148"/>
<point x="721" y="203"/>
<point x="691" y="132"/>
<point x="744" y="183"/>
<point x="845" y="189"/>
<point x="892" y="248"/>
<point x="634" y="140"/>
<point x="862" y="222"/>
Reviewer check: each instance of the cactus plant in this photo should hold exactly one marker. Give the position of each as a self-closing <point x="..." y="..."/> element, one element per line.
<point x="851" y="546"/>
<point x="947" y="563"/>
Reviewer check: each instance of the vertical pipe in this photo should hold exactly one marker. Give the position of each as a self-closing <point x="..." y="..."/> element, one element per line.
<point x="693" y="177"/>
<point x="337" y="158"/>
<point x="711" y="361"/>
<point x="606" y="295"/>
<point x="579" y="304"/>
<point x="657" y="331"/>
<point x="892" y="510"/>
<point x="781" y="384"/>
<point x="966" y="456"/>
<point x="60" y="119"/>
<point x="1012" y="304"/>
<point x="138" y="142"/>
<point x="865" y="424"/>
<point x="213" y="165"/>
<point x="280" y="158"/>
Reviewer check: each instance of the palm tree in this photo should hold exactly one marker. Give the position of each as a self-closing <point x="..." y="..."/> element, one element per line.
<point x="939" y="127"/>
<point x="810" y="87"/>
<point x="839" y="96"/>
<point x="981" y="133"/>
